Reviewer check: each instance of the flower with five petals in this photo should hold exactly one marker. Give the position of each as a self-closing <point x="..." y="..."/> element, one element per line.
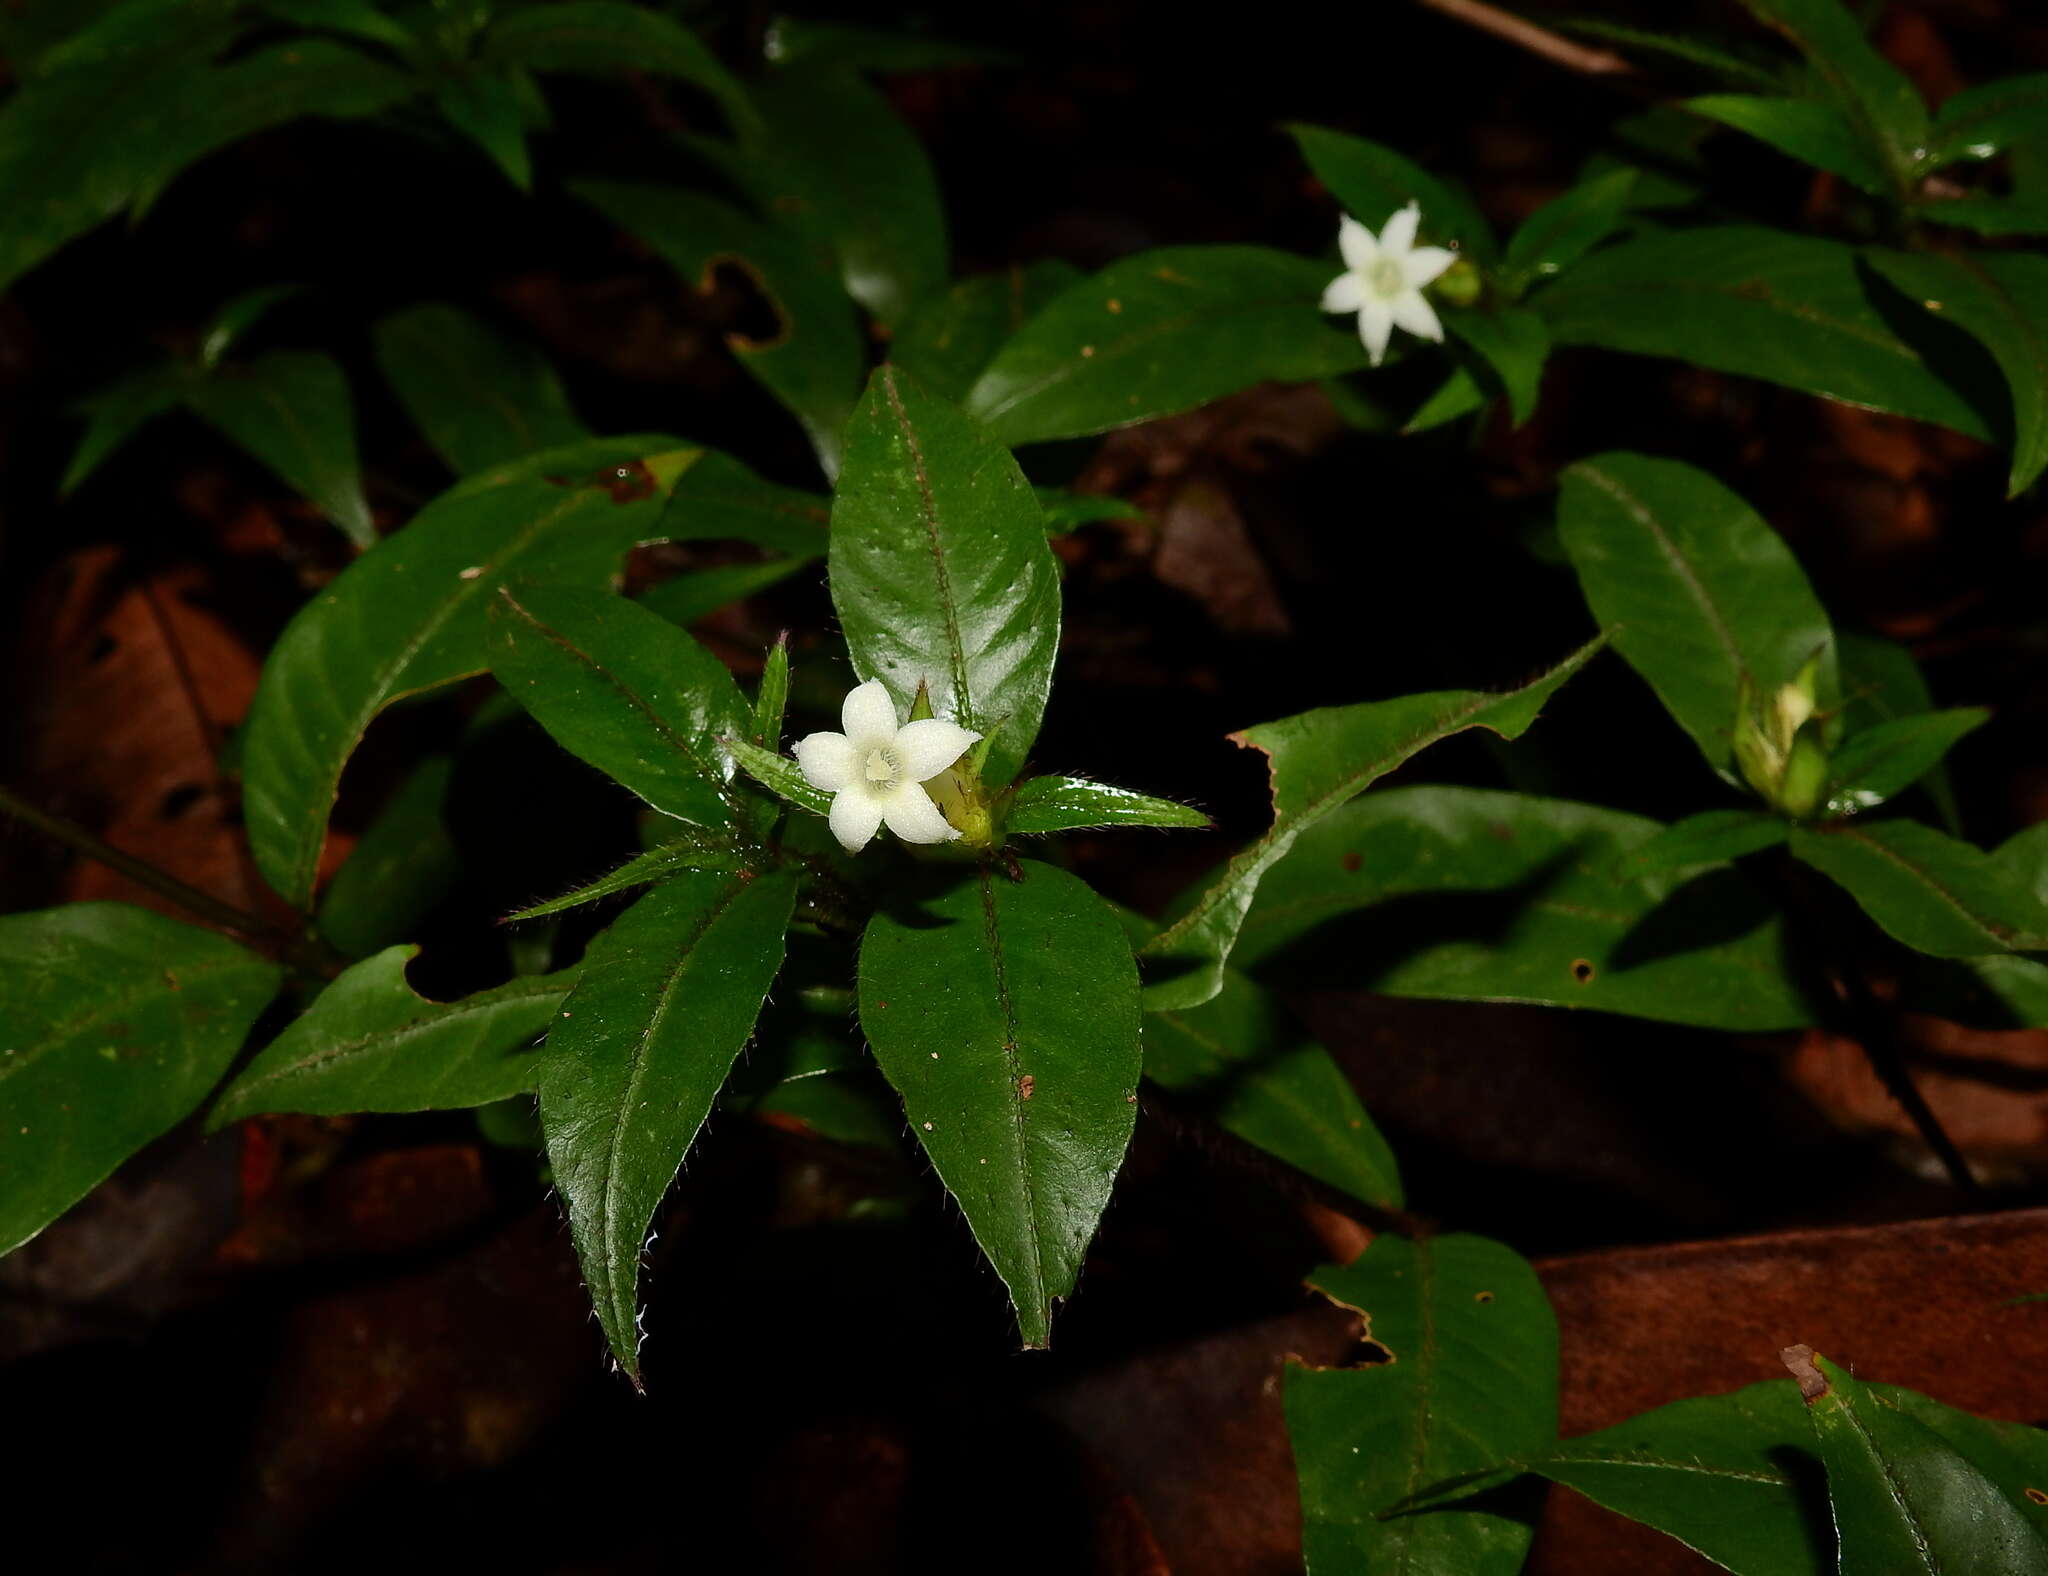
<point x="876" y="769"/>
<point x="1383" y="279"/>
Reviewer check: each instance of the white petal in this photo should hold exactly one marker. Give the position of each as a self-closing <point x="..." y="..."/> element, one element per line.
<point x="1421" y="266"/>
<point x="868" y="714"/>
<point x="1398" y="233"/>
<point x="1355" y="241"/>
<point x="928" y="746"/>
<point x="913" y="817"/>
<point x="856" y="817"/>
<point x="1346" y="293"/>
<point x="826" y="760"/>
<point x="1416" y="315"/>
<point x="1375" y="327"/>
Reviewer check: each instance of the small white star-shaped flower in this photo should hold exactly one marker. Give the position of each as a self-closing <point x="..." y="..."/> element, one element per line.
<point x="876" y="769"/>
<point x="1383" y="279"/>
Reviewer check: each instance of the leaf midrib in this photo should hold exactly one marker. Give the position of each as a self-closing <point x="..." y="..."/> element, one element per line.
<point x="1014" y="1065"/>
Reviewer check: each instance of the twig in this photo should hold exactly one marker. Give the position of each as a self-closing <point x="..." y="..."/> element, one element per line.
<point x="1539" y="41"/>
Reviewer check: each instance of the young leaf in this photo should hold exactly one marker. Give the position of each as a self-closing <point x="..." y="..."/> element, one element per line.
<point x="1878" y="762"/>
<point x="291" y="410"/>
<point x="1983" y="121"/>
<point x="664" y="1003"/>
<point x="1564" y="229"/>
<point x="1005" y="1012"/>
<point x="1061" y="804"/>
<point x="940" y="570"/>
<point x="1514" y="342"/>
<point x="116" y="414"/>
<point x="1873" y="93"/>
<point x="1162" y="332"/>
<point x="1789" y="309"/>
<point x="491" y="111"/>
<point x="1882" y="683"/>
<point x="623" y="689"/>
<point x="779" y="775"/>
<point x="1932" y="892"/>
<point x="772" y="699"/>
<point x="1469" y="1379"/>
<point x="1805" y="129"/>
<point x="399" y="869"/>
<point x="692" y="851"/>
<point x="1319" y="760"/>
<point x="1708" y="838"/>
<point x="118" y="1022"/>
<point x="2002" y="299"/>
<point x="952" y="337"/>
<point x="370" y="1042"/>
<point x="1702" y="594"/>
<point x="478" y="396"/>
<point x="1371" y="181"/>
<point x="606" y="38"/>
<point x="411" y="615"/>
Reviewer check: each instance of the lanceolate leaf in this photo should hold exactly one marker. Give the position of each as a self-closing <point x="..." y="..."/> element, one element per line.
<point x="692" y="852"/>
<point x="490" y="109"/>
<point x="411" y="614"/>
<point x="1931" y="891"/>
<point x="1513" y="342"/>
<point x="1989" y="215"/>
<point x="1161" y="332"/>
<point x="1371" y="181"/>
<point x="1564" y="229"/>
<point x="118" y="1022"/>
<point x="607" y="38"/>
<point x="1319" y="760"/>
<point x="779" y="775"/>
<point x="719" y="498"/>
<point x="1059" y="804"/>
<point x="291" y="409"/>
<point x="479" y="396"/>
<point x="1882" y="683"/>
<point x="400" y="868"/>
<point x="1700" y="592"/>
<point x="1981" y="122"/>
<point x="1873" y="93"/>
<point x="1005" y="1012"/>
<point x="1878" y="762"/>
<point x="1470" y="1378"/>
<point x="665" y="1000"/>
<point x="1707" y="838"/>
<point x="116" y="414"/>
<point x="689" y="597"/>
<point x="940" y="570"/>
<point x="372" y="1043"/>
<point x="1811" y="132"/>
<point x="623" y="689"/>
<point x="951" y="338"/>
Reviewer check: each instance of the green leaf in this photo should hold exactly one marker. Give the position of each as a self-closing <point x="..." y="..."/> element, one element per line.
<point x="399" y="869"/>
<point x="1256" y="1074"/>
<point x="687" y="598"/>
<point x="1469" y="1378"/>
<point x="940" y="569"/>
<point x="1877" y="97"/>
<point x="814" y="362"/>
<point x="1371" y="181"/>
<point x="1708" y="838"/>
<point x="1514" y="342"/>
<point x="779" y="775"/>
<point x="491" y="111"/>
<point x="720" y="499"/>
<point x="1805" y="129"/>
<point x="952" y="337"/>
<point x="1983" y="121"/>
<point x="1005" y="1012"/>
<point x="2002" y="299"/>
<point x="118" y="1022"/>
<point x="1458" y="395"/>
<point x="1564" y="229"/>
<point x="771" y="700"/>
<point x="1161" y="332"/>
<point x="1061" y="804"/>
<point x="1989" y="215"/>
<point x="1881" y="683"/>
<point x="605" y="38"/>
<point x="691" y="851"/>
<point x="1465" y="894"/>
<point x="410" y="615"/>
<point x="237" y="317"/>
<point x="370" y="1042"/>
<point x="1789" y="309"/>
<point x="623" y="689"/>
<point x="358" y="18"/>
<point x="1318" y="761"/>
<point x="1701" y="593"/>
<point x="1929" y="890"/>
<point x="1903" y="1499"/>
<point x="1878" y="762"/>
<point x="478" y="396"/>
<point x="1687" y="48"/>
<point x="116" y="414"/>
<point x="664" y="1003"/>
<point x="796" y="41"/>
<point x="291" y="410"/>
<point x="1069" y="511"/>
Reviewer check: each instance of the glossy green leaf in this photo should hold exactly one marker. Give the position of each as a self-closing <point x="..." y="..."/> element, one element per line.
<point x="1879" y="762"/>
<point x="1005" y="1012"/>
<point x="1789" y="309"/>
<point x="1318" y="761"/>
<point x="370" y="1042"/>
<point x="478" y="396"/>
<point x="718" y="498"/>
<point x="1061" y="804"/>
<point x="116" y="414"/>
<point x="690" y="851"/>
<point x="662" y="1007"/>
<point x="1567" y="227"/>
<point x="400" y="868"/>
<point x="606" y="38"/>
<point x="1805" y="129"/>
<point x="2002" y="299"/>
<point x="940" y="569"/>
<point x="1700" y="592"/>
<point x="779" y="775"/>
<point x="1467" y="894"/>
<point x="1255" y="1073"/>
<point x="291" y="409"/>
<point x="1469" y="1378"/>
<point x="118" y="1022"/>
<point x="1162" y="332"/>
<point x="1989" y="215"/>
<point x="771" y="698"/>
<point x="1514" y="342"/>
<point x="1371" y="181"/>
<point x="491" y="111"/>
<point x="1902" y="1498"/>
<point x="623" y="689"/>
<point x="1882" y="683"/>
<point x="1708" y="838"/>
<point x="411" y="615"/>
<point x="1876" y="96"/>
<point x="1983" y="121"/>
<point x="952" y="337"/>
<point x="687" y="598"/>
<point x="815" y="361"/>
<point x="1929" y="890"/>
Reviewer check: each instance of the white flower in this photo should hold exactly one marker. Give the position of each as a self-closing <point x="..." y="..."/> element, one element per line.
<point x="1383" y="279"/>
<point x="876" y="768"/>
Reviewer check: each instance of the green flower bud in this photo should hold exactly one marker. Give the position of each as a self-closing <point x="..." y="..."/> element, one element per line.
<point x="1461" y="284"/>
